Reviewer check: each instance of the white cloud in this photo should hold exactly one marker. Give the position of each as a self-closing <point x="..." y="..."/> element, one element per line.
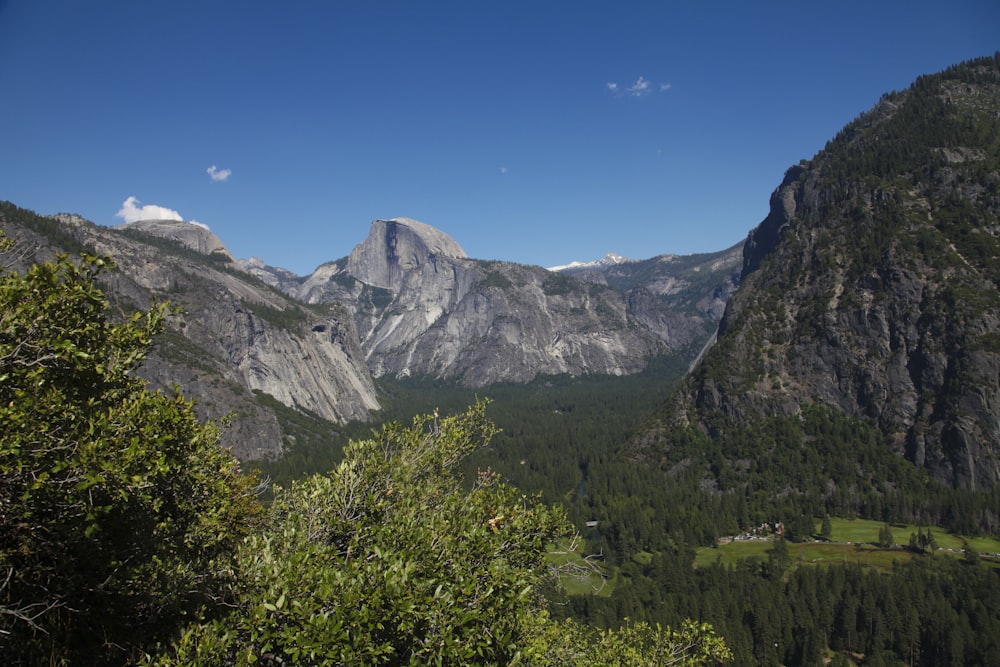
<point x="130" y="212"/>
<point x="219" y="174"/>
<point x="639" y="88"/>
<point x="199" y="224"/>
<point x="503" y="170"/>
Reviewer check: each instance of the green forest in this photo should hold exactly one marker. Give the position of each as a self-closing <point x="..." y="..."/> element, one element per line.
<point x="916" y="605"/>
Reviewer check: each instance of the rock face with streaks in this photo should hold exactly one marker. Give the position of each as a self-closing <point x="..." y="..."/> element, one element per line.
<point x="406" y="302"/>
<point x="236" y="339"/>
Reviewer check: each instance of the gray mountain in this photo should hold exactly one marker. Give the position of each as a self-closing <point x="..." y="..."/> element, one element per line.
<point x="873" y="286"/>
<point x="241" y="347"/>
<point x="264" y="344"/>
<point x="195" y="236"/>
<point x="422" y="307"/>
<point x="700" y="283"/>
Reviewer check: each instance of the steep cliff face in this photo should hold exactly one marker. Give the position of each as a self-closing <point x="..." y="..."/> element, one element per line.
<point x="401" y="251"/>
<point x="235" y="337"/>
<point x="872" y="285"/>
<point x="698" y="285"/>
<point x="423" y="308"/>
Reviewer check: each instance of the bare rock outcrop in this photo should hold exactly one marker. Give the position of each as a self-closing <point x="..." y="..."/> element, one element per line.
<point x="197" y="237"/>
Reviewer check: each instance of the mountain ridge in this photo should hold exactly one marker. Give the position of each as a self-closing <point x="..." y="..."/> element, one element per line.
<point x="872" y="286"/>
<point x="424" y="308"/>
<point x="609" y="259"/>
<point x="234" y="337"/>
<point x="406" y="302"/>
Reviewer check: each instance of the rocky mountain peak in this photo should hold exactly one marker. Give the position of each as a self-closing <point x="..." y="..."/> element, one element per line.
<point x="397" y="246"/>
<point x="763" y="239"/>
<point x="192" y="235"/>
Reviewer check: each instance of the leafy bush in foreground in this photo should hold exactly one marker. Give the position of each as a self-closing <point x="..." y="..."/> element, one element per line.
<point x="117" y="508"/>
<point x="388" y="560"/>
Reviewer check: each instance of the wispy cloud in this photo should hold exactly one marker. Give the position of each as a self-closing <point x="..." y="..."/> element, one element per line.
<point x="132" y="212"/>
<point x="217" y="174"/>
<point x="641" y="88"/>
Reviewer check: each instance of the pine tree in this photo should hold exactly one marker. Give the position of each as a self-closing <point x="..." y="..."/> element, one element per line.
<point x="885" y="539"/>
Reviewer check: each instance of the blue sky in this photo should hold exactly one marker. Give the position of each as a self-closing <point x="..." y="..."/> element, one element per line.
<point x="535" y="132"/>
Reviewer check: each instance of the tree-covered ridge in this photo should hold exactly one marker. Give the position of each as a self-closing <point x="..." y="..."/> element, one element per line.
<point x="941" y="120"/>
<point x="931" y="156"/>
<point x="46" y="227"/>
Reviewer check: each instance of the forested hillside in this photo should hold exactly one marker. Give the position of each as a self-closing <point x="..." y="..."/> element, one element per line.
<point x="854" y="371"/>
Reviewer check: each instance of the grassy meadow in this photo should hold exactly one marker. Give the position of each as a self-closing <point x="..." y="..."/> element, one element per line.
<point x="852" y="540"/>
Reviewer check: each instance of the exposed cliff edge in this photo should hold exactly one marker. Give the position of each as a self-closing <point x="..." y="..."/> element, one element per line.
<point x="873" y="285"/>
<point x="397" y="249"/>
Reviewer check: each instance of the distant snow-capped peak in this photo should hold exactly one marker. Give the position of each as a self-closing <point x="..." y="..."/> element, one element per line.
<point x="610" y="259"/>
